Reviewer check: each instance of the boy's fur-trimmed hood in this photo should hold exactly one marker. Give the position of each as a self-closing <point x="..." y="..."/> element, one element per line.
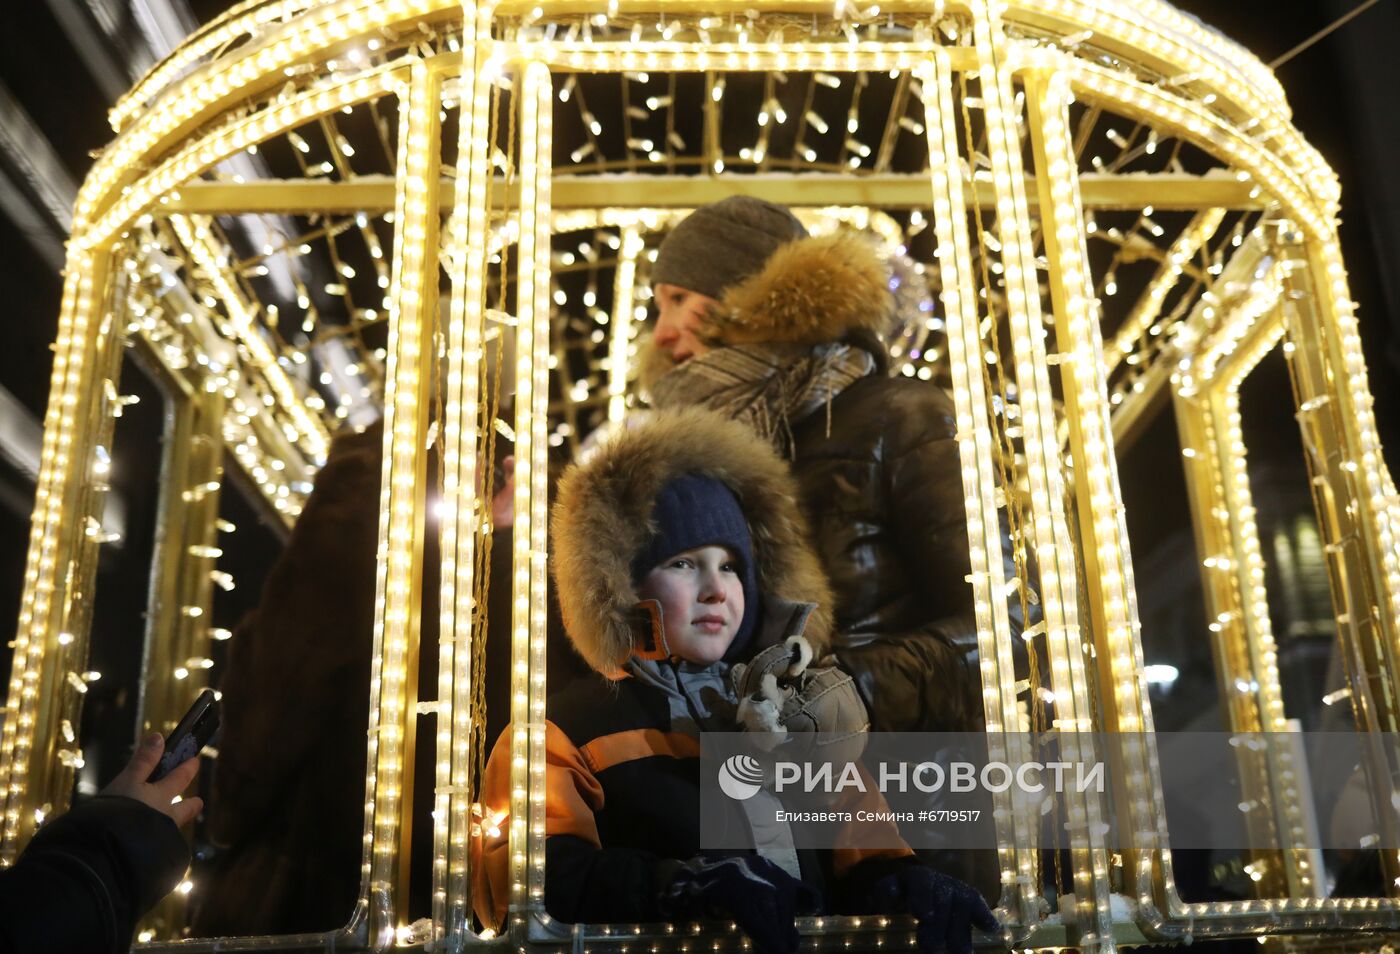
<point x="602" y="518"/>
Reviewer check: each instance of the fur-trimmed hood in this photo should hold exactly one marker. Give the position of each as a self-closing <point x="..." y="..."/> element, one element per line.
<point x="811" y="291"/>
<point x="602" y="519"/>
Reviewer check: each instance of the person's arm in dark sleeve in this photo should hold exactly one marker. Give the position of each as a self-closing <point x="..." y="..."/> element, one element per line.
<point x="89" y="875"/>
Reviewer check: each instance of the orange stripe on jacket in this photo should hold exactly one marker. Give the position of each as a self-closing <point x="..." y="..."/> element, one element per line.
<point x="571" y="796"/>
<point x="608" y="750"/>
<point x="888" y="842"/>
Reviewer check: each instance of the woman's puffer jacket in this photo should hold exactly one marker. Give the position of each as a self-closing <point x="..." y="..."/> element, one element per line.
<point x="881" y="486"/>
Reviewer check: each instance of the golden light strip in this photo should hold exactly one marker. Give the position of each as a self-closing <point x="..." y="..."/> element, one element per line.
<point x="1085" y="394"/>
<point x="1217" y="481"/>
<point x="195" y="235"/>
<point x="413" y="296"/>
<point x="979" y="480"/>
<point x="1229" y="54"/>
<point x="460" y="516"/>
<point x="1258" y="99"/>
<point x="527" y="802"/>
<point x="1226" y="543"/>
<point x="619" y="347"/>
<point x="63" y="465"/>
<point x="1104" y="541"/>
<point x="1236" y="599"/>
<point x="1240" y="606"/>
<point x="230" y="139"/>
<point x="1343" y="340"/>
<point x="230" y="82"/>
<point x="1149" y="305"/>
<point x="1249" y="568"/>
<point x="463" y="513"/>
<point x="1052" y="530"/>
<point x="647" y="220"/>
<point x="1264" y="295"/>
<point x="665" y="56"/>
<point x="193" y="49"/>
<point x="1198" y="124"/>
<point x="1246" y="561"/>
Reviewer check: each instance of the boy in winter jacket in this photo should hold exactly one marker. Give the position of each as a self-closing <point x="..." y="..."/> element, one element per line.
<point x="678" y="553"/>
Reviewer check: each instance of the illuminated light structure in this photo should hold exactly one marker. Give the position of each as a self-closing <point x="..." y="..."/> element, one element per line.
<point x="1007" y="106"/>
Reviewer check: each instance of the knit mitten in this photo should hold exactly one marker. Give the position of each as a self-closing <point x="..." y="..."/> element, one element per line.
<point x="781" y="693"/>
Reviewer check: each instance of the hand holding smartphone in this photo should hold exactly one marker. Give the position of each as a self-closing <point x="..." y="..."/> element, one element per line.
<point x="190" y="736"/>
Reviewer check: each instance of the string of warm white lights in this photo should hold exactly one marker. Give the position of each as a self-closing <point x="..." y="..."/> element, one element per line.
<point x="976" y="453"/>
<point x="840" y="90"/>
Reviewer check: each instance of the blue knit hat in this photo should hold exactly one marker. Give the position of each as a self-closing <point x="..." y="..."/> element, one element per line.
<point x="696" y="511"/>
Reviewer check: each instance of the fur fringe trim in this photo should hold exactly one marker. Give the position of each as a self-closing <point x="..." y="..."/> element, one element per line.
<point x="801" y="655"/>
<point x="811" y="291"/>
<point x="761" y="718"/>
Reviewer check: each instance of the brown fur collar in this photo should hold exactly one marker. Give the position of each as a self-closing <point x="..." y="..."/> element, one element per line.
<point x="811" y="291"/>
<point x="602" y="517"/>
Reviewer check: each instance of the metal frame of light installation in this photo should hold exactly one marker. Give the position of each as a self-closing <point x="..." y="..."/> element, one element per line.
<point x="1217" y="97"/>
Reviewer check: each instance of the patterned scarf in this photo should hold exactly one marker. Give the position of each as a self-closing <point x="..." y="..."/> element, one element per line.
<point x="768" y="386"/>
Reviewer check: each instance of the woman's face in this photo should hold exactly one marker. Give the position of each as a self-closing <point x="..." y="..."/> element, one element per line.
<point x="702" y="601"/>
<point x="680" y="316"/>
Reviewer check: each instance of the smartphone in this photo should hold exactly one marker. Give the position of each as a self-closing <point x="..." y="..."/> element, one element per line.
<point x="190" y="736"/>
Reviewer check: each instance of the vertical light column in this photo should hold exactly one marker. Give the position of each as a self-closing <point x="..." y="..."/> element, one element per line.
<point x="1206" y="466"/>
<point x="398" y="586"/>
<point x="1358" y="572"/>
<point x="527" y="797"/>
<point x="57" y="753"/>
<point x="1292" y="873"/>
<point x="1341" y="342"/>
<point x="1015" y="833"/>
<point x="623" y="304"/>
<point x="462" y="509"/>
<point x="66" y="463"/>
<point x="186" y="550"/>
<point x="1108" y="578"/>
<point x="1052" y="530"/>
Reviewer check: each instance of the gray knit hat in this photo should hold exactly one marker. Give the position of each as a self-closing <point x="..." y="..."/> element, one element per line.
<point x="721" y="244"/>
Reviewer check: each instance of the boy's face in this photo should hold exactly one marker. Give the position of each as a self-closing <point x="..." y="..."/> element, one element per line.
<point x="680" y="314"/>
<point x="702" y="601"/>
